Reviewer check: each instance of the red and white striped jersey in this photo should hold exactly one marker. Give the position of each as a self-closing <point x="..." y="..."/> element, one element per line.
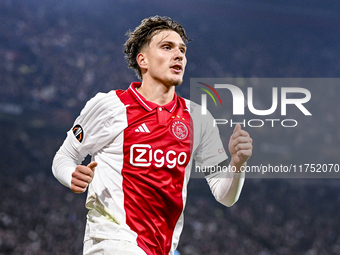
<point x="144" y="153"/>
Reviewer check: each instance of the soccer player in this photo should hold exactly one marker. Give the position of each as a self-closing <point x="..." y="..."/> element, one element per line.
<point x="143" y="141"/>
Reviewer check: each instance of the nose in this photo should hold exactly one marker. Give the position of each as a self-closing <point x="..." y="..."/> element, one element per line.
<point x="179" y="55"/>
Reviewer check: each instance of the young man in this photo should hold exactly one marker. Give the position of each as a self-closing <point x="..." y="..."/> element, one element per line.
<point x="142" y="141"/>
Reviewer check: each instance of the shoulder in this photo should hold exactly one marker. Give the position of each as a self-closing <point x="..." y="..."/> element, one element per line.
<point x="195" y="111"/>
<point x="190" y="105"/>
<point x="102" y="101"/>
<point x="97" y="118"/>
<point x="101" y="108"/>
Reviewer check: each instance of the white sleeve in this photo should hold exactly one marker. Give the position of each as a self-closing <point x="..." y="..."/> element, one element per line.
<point x="226" y="187"/>
<point x="209" y="151"/>
<point x="65" y="162"/>
<point x="92" y="130"/>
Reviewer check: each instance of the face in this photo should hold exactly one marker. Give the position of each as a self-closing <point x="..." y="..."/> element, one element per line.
<point x="163" y="60"/>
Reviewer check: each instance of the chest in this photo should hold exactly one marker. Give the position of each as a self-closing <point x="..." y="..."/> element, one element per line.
<point x="158" y="138"/>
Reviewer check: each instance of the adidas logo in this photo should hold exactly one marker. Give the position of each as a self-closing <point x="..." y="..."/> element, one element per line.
<point x="143" y="128"/>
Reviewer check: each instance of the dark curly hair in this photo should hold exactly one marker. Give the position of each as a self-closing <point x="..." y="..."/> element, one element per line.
<point x="143" y="34"/>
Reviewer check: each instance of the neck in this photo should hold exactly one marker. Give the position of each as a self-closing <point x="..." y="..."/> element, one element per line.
<point x="156" y="93"/>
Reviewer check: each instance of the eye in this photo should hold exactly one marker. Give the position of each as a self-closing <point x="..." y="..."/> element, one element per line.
<point x="183" y="50"/>
<point x="166" y="47"/>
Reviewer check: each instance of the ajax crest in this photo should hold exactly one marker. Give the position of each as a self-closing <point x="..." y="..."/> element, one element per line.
<point x="179" y="129"/>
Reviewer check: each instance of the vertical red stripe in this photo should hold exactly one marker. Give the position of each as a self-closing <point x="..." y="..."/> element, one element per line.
<point x="153" y="174"/>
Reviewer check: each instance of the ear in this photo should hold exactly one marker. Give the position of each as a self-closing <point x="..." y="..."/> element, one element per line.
<point x="142" y="61"/>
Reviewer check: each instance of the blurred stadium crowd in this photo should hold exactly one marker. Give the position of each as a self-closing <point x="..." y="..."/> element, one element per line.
<point x="54" y="57"/>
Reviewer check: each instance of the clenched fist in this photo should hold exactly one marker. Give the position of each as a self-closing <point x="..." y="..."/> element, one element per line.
<point x="82" y="177"/>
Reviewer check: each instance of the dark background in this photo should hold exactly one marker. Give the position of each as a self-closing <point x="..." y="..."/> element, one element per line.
<point x="55" y="55"/>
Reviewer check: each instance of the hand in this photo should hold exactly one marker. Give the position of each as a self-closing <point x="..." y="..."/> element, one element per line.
<point x="240" y="146"/>
<point x="82" y="177"/>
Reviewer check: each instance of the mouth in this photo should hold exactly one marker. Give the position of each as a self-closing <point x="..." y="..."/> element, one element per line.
<point x="176" y="68"/>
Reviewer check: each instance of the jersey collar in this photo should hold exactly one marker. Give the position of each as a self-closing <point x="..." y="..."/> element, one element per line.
<point x="147" y="105"/>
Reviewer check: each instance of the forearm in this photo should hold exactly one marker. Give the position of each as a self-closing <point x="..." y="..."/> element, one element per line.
<point x="62" y="168"/>
<point x="66" y="160"/>
<point x="226" y="186"/>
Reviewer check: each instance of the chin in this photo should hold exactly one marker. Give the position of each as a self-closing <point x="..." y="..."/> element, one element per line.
<point x="176" y="82"/>
<point x="173" y="81"/>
